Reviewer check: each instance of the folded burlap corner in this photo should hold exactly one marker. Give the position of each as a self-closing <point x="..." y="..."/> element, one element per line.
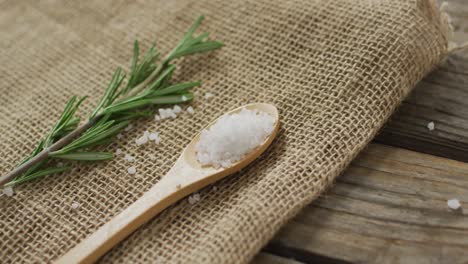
<point x="336" y="70"/>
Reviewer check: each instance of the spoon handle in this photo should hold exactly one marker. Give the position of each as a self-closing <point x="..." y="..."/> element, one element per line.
<point x="166" y="192"/>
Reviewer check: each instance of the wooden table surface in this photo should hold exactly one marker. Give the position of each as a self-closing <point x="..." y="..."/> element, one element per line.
<point x="390" y="205"/>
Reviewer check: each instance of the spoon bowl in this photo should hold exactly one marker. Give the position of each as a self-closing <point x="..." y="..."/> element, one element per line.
<point x="185" y="177"/>
<point x="190" y="151"/>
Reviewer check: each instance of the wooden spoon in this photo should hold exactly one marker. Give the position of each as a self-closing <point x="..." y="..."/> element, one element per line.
<point x="185" y="177"/>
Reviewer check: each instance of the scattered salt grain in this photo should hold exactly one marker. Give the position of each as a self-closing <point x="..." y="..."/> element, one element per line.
<point x="118" y="152"/>
<point x="166" y="113"/>
<point x="190" y="110"/>
<point x="119" y="136"/>
<point x="232" y="137"/>
<point x="453" y="204"/>
<point x="75" y="205"/>
<point x="176" y="109"/>
<point x="129" y="158"/>
<point x="208" y="95"/>
<point x="430" y="126"/>
<point x="141" y="140"/>
<point x="194" y="198"/>
<point x="8" y="191"/>
<point x="131" y="170"/>
<point x="155" y="137"/>
<point x="184" y="98"/>
<point x="129" y="127"/>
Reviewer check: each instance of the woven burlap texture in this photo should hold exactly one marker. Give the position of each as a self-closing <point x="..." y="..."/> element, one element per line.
<point x="336" y="70"/>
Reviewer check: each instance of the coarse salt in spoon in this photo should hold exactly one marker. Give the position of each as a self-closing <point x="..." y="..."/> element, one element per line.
<point x="188" y="175"/>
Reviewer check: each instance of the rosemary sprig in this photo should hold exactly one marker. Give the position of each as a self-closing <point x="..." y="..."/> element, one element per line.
<point x="149" y="83"/>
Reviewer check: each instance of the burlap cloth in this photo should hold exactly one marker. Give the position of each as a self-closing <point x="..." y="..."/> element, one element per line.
<point x="336" y="70"/>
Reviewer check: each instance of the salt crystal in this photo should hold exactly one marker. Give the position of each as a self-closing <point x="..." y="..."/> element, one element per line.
<point x="146" y="133"/>
<point x="128" y="127"/>
<point x="154" y="137"/>
<point x="162" y="113"/>
<point x="119" y="136"/>
<point x="208" y="95"/>
<point x="8" y="191"/>
<point x="190" y="110"/>
<point x="431" y="126"/>
<point x="75" y="205"/>
<point x="232" y="137"/>
<point x="194" y="198"/>
<point x="141" y="140"/>
<point x="129" y="158"/>
<point x="118" y="152"/>
<point x="176" y="109"/>
<point x="184" y="98"/>
<point x="166" y="113"/>
<point x="131" y="170"/>
<point x="453" y="204"/>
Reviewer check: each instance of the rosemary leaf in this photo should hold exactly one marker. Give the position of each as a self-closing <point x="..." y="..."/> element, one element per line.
<point x="172" y="99"/>
<point x="160" y="100"/>
<point x="122" y="116"/>
<point x="84" y="156"/>
<point x="62" y="117"/>
<point x="69" y="115"/>
<point x="191" y="30"/>
<point x="110" y="91"/>
<point x="38" y="174"/>
<point x="166" y="74"/>
<point x="104" y="141"/>
<point x="107" y="130"/>
<point x="202" y="37"/>
<point x="175" y="88"/>
<point x="198" y="48"/>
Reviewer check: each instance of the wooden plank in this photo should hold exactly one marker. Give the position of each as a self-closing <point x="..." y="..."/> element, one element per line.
<point x="267" y="258"/>
<point x="299" y="254"/>
<point x="440" y="98"/>
<point x="390" y="206"/>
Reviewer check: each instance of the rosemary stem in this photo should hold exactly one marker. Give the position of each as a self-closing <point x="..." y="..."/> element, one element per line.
<point x="141" y="86"/>
<point x="45" y="153"/>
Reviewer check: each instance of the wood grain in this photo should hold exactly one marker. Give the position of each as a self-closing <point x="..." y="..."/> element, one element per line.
<point x="267" y="258"/>
<point x="390" y="206"/>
